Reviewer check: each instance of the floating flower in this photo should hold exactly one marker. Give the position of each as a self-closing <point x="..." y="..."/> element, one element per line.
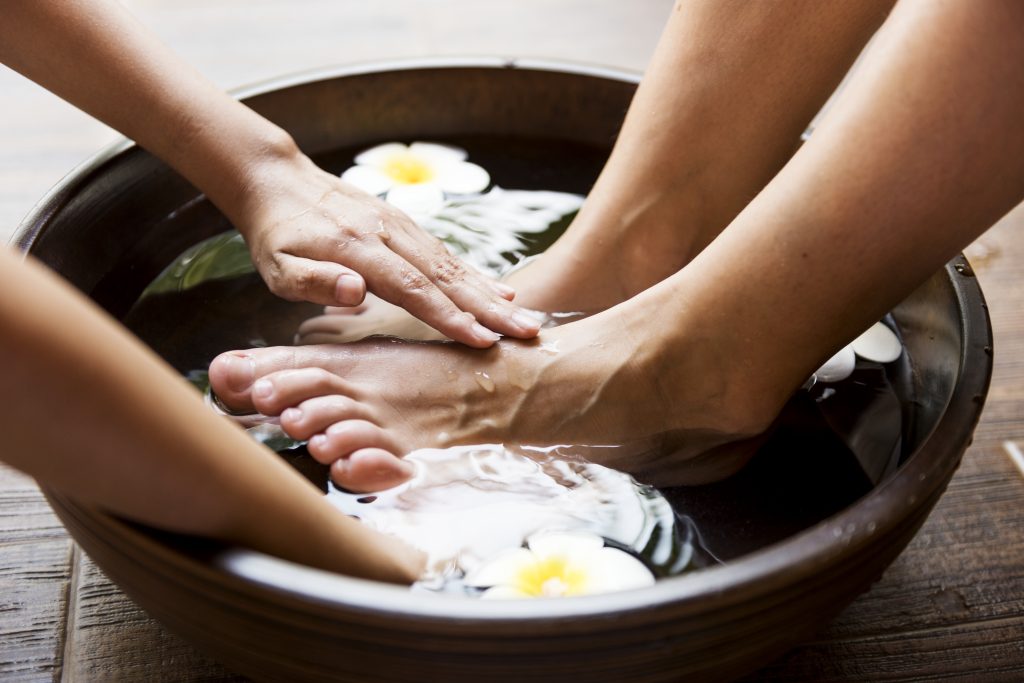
<point x="416" y="177"/>
<point x="561" y="564"/>
<point x="878" y="343"/>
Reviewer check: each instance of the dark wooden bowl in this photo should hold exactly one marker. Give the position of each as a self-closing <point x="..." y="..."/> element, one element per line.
<point x="106" y="229"/>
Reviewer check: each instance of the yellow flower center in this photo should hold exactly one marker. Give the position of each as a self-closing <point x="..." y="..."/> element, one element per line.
<point x="551" y="577"/>
<point x="406" y="169"/>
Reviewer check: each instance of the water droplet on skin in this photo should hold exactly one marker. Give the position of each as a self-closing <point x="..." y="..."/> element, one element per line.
<point x="517" y="374"/>
<point x="485" y="381"/>
<point x="382" y="232"/>
<point x="550" y="348"/>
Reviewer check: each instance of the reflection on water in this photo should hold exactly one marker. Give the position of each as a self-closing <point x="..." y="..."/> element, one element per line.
<point x="828" y="449"/>
<point x="466" y="504"/>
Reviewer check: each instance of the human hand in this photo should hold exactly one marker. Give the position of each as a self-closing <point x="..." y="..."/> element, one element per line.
<point x="316" y="238"/>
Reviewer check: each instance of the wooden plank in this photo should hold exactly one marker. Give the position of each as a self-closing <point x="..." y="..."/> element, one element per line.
<point x="110" y="638"/>
<point x="33" y="601"/>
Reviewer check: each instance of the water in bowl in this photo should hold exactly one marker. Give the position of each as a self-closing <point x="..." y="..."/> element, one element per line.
<point x="209" y="301"/>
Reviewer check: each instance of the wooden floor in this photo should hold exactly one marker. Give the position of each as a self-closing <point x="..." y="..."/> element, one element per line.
<point x="951" y="607"/>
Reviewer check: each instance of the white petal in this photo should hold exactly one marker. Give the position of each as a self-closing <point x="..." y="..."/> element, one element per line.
<point x="438" y="154"/>
<point x="503" y="569"/>
<point x="380" y="155"/>
<point x="838" y="367"/>
<point x="614" y="570"/>
<point x="568" y="543"/>
<point x="462" y="178"/>
<point x="878" y="343"/>
<point x="424" y="198"/>
<point x="504" y="593"/>
<point x="368" y="179"/>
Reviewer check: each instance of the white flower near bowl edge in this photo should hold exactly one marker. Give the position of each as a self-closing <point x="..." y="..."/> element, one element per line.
<point x="877" y="343"/>
<point x="416" y="177"/>
<point x="559" y="564"/>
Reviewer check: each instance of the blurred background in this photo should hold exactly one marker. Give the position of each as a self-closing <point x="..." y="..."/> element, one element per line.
<point x="236" y="43"/>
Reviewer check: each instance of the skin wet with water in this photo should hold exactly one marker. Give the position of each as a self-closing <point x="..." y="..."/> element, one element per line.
<point x="210" y="302"/>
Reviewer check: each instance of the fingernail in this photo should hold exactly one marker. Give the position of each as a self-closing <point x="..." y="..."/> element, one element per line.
<point x="263" y="388"/>
<point x="239" y="372"/>
<point x="526" y="322"/>
<point x="484" y="334"/>
<point x="350" y="289"/>
<point x="504" y="289"/>
<point x="291" y="415"/>
<point x="318" y="441"/>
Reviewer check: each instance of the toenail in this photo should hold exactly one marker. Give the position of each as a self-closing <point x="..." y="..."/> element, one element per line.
<point x="239" y="372"/>
<point x="292" y="415"/>
<point x="263" y="388"/>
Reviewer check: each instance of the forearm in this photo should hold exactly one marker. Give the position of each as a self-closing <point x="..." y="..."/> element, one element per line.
<point x="94" y="414"/>
<point x="96" y="55"/>
<point x="922" y="153"/>
<point x="729" y="90"/>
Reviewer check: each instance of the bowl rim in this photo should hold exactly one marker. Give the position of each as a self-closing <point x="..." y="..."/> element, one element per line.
<point x="794" y="559"/>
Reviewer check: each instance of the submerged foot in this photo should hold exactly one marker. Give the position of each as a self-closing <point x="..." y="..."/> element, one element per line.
<point x="374" y="316"/>
<point x="588" y="270"/>
<point x="625" y="400"/>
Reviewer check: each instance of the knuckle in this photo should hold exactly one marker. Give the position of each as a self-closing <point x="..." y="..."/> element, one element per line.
<point x="319" y="380"/>
<point x="305" y="280"/>
<point x="446" y="271"/>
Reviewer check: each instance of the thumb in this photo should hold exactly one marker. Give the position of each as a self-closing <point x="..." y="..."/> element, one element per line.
<point x="318" y="282"/>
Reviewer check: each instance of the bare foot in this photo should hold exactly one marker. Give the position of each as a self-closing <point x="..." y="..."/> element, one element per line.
<point x="338" y="325"/>
<point x="586" y="271"/>
<point x="645" y="402"/>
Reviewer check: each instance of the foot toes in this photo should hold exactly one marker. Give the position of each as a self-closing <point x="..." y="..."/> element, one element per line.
<point x="370" y="469"/>
<point x="275" y="392"/>
<point x="316" y="415"/>
<point x="233" y="375"/>
<point x="348" y="436"/>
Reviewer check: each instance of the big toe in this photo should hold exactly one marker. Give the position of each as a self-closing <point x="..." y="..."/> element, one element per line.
<point x="233" y="374"/>
<point x="231" y="377"/>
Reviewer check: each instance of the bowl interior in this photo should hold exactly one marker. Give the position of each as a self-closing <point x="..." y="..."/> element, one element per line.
<point x="117" y="222"/>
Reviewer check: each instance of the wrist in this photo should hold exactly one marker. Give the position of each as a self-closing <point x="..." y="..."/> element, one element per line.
<point x="253" y="166"/>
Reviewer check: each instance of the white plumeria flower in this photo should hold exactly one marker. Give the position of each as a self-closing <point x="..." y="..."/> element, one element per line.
<point x="416" y="177"/>
<point x="878" y="343"/>
<point x="559" y="564"/>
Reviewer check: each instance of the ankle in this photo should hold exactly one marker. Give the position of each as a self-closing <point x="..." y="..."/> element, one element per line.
<point x="703" y="377"/>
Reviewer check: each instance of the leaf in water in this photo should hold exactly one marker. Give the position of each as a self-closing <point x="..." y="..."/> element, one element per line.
<point x="219" y="257"/>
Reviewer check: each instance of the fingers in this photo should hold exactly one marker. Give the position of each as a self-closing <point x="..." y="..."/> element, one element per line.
<point x="450" y="298"/>
<point x="487" y="300"/>
<point x="321" y="282"/>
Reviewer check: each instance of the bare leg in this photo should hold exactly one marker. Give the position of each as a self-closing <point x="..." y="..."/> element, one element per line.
<point x="93" y="414"/>
<point x="920" y="155"/>
<point x="729" y="90"/>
